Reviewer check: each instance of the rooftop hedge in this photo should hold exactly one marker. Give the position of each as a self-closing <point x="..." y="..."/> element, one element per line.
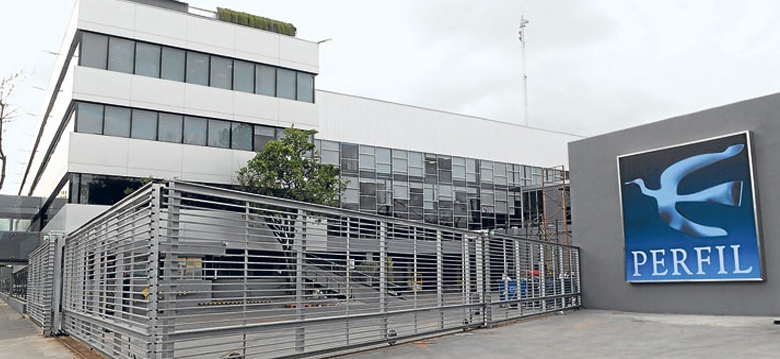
<point x="257" y="22"/>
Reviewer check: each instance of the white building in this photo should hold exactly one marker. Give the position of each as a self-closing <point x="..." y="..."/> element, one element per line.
<point x="153" y="88"/>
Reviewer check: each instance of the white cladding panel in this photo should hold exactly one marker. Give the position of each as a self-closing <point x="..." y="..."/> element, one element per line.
<point x="360" y="120"/>
<point x="73" y="216"/>
<point x="140" y="158"/>
<point x="123" y="89"/>
<point x="173" y="28"/>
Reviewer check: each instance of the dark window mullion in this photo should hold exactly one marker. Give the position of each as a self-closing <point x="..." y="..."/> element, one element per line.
<point x="103" y="117"/>
<point x="135" y="51"/>
<point x="295" y="86"/>
<point x="186" y="79"/>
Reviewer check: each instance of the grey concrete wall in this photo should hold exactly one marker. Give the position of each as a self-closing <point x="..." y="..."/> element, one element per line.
<point x="598" y="227"/>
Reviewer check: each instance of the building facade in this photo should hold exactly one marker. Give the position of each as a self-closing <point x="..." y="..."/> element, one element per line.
<point x="715" y="252"/>
<point x="158" y="89"/>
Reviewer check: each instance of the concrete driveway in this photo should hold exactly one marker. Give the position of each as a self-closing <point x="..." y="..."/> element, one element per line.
<point x="603" y="334"/>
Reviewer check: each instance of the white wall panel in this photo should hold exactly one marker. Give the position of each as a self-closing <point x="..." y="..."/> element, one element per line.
<point x="152" y="93"/>
<point x="140" y="158"/>
<point x="102" y="86"/>
<point x="163" y="95"/>
<point x="301" y="114"/>
<point x="354" y="119"/>
<point x="209" y="101"/>
<point x="207" y="162"/>
<point x="256" y="108"/>
<point x="298" y="54"/>
<point x="211" y="36"/>
<point x="240" y="158"/>
<point x="114" y="17"/>
<point x="73" y="216"/>
<point x="56" y="168"/>
<point x="173" y="28"/>
<point x="98" y="154"/>
<point x="251" y="45"/>
<point x="161" y="26"/>
<point x="145" y="156"/>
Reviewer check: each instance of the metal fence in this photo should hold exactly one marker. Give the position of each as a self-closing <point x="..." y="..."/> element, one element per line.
<point x="15" y="285"/>
<point x="40" y="285"/>
<point x="189" y="271"/>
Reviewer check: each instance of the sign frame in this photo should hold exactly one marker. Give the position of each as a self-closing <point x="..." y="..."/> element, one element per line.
<point x="757" y="259"/>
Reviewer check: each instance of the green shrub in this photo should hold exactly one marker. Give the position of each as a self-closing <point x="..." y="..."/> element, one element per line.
<point x="257" y="22"/>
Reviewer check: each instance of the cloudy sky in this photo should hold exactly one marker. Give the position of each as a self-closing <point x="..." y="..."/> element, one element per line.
<point x="593" y="66"/>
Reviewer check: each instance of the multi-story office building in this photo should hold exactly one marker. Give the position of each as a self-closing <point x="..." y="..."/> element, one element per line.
<point x="155" y="88"/>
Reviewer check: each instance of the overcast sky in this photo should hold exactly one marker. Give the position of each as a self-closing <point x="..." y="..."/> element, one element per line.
<point x="593" y="66"/>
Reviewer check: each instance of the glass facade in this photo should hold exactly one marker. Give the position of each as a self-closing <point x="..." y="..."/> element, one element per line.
<point x="154" y="60"/>
<point x="452" y="191"/>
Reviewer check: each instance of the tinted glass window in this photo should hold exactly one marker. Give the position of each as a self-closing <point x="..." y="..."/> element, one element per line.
<point x="265" y="80"/>
<point x="305" y="87"/>
<point x="170" y="128"/>
<point x="349" y="150"/>
<point x="195" y="130"/>
<point x="197" y="69"/>
<point x="221" y="72"/>
<point x="94" y="50"/>
<point x="399" y="165"/>
<point x="144" y="125"/>
<point x="172" y="64"/>
<point x="89" y="118"/>
<point x="263" y="134"/>
<point x="117" y="121"/>
<point x="241" y="138"/>
<point x="285" y="84"/>
<point x="121" y="55"/>
<point x="219" y="133"/>
<point x="147" y="60"/>
<point x="243" y="76"/>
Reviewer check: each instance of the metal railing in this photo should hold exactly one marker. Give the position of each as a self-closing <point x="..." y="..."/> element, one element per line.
<point x="15" y="285"/>
<point x="190" y="271"/>
<point x="40" y="288"/>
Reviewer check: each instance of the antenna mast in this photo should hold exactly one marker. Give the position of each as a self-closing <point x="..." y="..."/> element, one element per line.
<point x="521" y="33"/>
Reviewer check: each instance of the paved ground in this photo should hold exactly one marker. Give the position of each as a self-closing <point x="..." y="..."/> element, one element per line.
<point x="603" y="334"/>
<point x="580" y="334"/>
<point x="19" y="338"/>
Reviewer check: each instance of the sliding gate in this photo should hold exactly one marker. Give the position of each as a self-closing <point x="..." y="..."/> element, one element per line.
<point x="190" y="271"/>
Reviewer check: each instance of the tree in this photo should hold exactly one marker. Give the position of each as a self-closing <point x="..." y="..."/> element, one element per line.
<point x="290" y="168"/>
<point x="7" y="113"/>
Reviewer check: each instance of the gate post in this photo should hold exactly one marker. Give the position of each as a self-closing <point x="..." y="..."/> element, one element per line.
<point x="300" y="247"/>
<point x="440" y="278"/>
<point x="383" y="279"/>
<point x="486" y="282"/>
<point x="479" y="254"/>
<point x="58" y="241"/>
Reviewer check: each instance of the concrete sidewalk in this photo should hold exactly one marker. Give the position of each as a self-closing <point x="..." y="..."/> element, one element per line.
<point x="20" y="338"/>
<point x="603" y="334"/>
<point x="580" y="334"/>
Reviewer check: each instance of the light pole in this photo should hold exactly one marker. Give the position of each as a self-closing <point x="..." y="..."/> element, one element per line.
<point x="521" y="33"/>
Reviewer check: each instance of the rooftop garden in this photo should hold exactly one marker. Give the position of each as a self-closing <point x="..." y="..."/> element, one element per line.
<point x="257" y="22"/>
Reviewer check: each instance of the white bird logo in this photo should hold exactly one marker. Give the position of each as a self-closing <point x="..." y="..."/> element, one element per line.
<point x="729" y="193"/>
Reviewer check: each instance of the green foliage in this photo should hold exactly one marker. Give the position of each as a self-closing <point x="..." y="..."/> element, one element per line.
<point x="144" y="181"/>
<point x="257" y="22"/>
<point x="290" y="168"/>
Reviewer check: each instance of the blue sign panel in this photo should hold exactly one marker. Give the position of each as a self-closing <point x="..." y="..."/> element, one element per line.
<point x="689" y="212"/>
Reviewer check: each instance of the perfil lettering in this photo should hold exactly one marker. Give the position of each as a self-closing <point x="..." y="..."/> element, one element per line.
<point x="675" y="259"/>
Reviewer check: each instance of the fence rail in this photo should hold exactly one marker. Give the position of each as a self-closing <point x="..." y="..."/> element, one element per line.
<point x="189" y="271"/>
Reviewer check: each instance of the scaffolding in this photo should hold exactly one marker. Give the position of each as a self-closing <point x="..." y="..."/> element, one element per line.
<point x="556" y="217"/>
